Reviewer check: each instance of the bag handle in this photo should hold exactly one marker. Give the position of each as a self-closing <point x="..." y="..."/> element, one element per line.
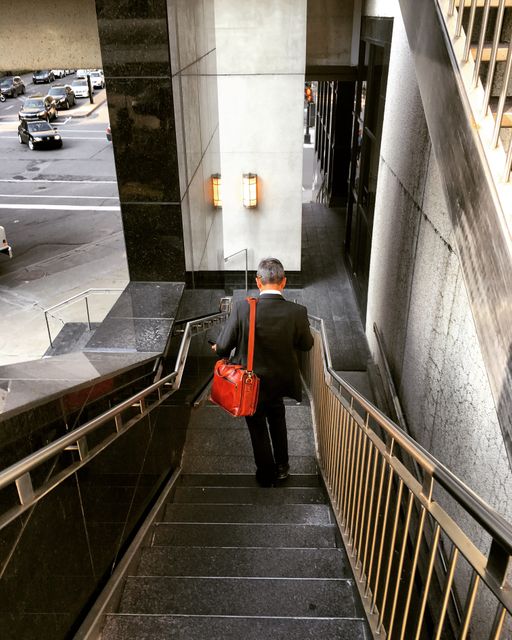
<point x="252" y="331"/>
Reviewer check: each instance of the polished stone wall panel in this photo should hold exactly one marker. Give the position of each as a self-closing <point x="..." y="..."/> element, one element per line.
<point x="134" y="41"/>
<point x="154" y="235"/>
<point x="143" y="129"/>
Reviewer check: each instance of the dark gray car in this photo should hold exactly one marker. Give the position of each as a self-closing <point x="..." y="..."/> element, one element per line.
<point x="12" y="87"/>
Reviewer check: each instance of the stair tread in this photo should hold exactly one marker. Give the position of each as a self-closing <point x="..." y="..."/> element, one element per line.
<point x="263" y="562"/>
<point x="243" y="480"/>
<point x="244" y="535"/>
<point x="243" y="495"/>
<point x="239" y="596"/>
<point x="210" y="463"/>
<point x="144" y="627"/>
<point x="245" y="513"/>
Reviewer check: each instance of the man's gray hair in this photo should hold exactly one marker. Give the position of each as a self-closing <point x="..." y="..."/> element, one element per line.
<point x="270" y="271"/>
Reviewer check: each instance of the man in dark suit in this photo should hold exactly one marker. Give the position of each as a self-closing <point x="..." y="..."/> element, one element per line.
<point x="282" y="328"/>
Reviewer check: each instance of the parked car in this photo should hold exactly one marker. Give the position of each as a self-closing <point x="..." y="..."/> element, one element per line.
<point x="81" y="88"/>
<point x="38" y="107"/>
<point x="82" y="73"/>
<point x="63" y="94"/>
<point x="12" y="87"/>
<point x="58" y="73"/>
<point x="42" y="75"/>
<point x="5" y="247"/>
<point x="38" y="134"/>
<point x="97" y="79"/>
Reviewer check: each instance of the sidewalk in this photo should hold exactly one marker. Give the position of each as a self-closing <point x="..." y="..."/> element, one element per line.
<point x="84" y="107"/>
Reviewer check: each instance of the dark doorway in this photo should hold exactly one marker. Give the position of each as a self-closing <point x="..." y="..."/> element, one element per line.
<point x="368" y="113"/>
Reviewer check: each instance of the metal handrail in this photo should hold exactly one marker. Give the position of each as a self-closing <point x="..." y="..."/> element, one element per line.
<point x="79" y="296"/>
<point x="246" y="264"/>
<point x="479" y="96"/>
<point x="490" y="519"/>
<point x="19" y="472"/>
<point x="349" y="449"/>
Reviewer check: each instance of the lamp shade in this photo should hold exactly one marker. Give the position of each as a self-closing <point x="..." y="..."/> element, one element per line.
<point x="216" y="190"/>
<point x="250" y="190"/>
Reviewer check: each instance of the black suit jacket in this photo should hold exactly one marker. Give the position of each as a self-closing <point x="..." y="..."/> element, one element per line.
<point x="282" y="328"/>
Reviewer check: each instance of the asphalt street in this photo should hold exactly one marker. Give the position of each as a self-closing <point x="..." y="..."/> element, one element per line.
<point x="60" y="210"/>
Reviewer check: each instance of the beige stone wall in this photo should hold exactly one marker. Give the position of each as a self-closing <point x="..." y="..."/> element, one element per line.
<point x="52" y="35"/>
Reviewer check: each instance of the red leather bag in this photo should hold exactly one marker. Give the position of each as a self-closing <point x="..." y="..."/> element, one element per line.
<point x="234" y="387"/>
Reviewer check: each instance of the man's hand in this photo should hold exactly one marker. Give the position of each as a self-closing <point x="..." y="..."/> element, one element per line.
<point x="213" y="346"/>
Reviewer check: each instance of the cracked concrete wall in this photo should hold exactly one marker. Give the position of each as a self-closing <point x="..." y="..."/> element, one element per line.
<point x="417" y="298"/>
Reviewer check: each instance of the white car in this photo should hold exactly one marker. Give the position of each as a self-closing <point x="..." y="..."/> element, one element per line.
<point x="58" y="73"/>
<point x="81" y="89"/>
<point x="97" y="79"/>
<point x="82" y="73"/>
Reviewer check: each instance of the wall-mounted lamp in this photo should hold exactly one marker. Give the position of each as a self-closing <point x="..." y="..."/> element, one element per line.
<point x="216" y="194"/>
<point x="250" y="186"/>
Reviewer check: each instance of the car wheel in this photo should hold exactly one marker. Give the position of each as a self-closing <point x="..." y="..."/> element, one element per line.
<point x="20" y="139"/>
<point x="31" y="145"/>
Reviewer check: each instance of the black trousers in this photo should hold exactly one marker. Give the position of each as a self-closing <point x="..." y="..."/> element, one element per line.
<point x="269" y="438"/>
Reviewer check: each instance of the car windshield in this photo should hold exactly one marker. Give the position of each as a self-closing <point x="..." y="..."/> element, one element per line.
<point x="5" y="83"/>
<point x="80" y="83"/>
<point x="39" y="126"/>
<point x="38" y="73"/>
<point x="34" y="104"/>
<point x="57" y="91"/>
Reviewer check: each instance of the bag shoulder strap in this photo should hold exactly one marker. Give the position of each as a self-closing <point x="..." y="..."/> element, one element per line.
<point x="252" y="331"/>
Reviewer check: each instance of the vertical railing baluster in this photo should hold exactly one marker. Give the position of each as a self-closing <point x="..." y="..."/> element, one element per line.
<point x="426" y="584"/>
<point x="481" y="42"/>
<point x="370" y="511"/>
<point x="391" y="556"/>
<point x="470" y="603"/>
<point x="382" y="538"/>
<point x="419" y="538"/>
<point x="460" y="15"/>
<point x="499" y="620"/>
<point x="447" y="589"/>
<point x="494" y="55"/>
<point x="374" y="537"/>
<point x="469" y="34"/>
<point x="503" y="96"/>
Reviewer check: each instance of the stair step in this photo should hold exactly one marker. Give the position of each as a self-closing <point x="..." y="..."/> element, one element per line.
<point x="209" y="463"/>
<point x="245" y="513"/>
<point x="242" y="495"/>
<point x="239" y="597"/>
<point x="243" y="480"/>
<point x="486" y="52"/>
<point x="263" y="562"/>
<point x="210" y="416"/>
<point x="141" y="627"/>
<point x="244" y="535"/>
<point x="215" y="442"/>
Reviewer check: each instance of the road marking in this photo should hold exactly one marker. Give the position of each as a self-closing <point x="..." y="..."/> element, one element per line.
<point x="58" y="181"/>
<point x="9" y="107"/>
<point x="67" y="120"/>
<point x="74" y="207"/>
<point x="19" y="195"/>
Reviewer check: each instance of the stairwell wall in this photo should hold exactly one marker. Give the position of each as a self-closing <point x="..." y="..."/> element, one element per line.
<point x="418" y="299"/>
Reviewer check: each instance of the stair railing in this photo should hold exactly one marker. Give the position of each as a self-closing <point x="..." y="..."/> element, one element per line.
<point x="84" y="295"/>
<point x="392" y="546"/>
<point x="469" y="58"/>
<point x="143" y="402"/>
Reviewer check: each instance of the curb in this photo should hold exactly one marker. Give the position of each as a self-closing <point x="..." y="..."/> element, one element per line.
<point x="93" y="108"/>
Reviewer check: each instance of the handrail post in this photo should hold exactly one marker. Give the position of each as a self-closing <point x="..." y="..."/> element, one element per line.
<point x="246" y="269"/>
<point x="48" y="328"/>
<point x="88" y="314"/>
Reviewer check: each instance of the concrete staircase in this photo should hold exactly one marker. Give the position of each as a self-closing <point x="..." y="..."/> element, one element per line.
<point x="231" y="560"/>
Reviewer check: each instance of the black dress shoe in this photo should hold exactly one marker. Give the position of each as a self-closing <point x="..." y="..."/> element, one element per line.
<point x="283" y="471"/>
<point x="264" y="480"/>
